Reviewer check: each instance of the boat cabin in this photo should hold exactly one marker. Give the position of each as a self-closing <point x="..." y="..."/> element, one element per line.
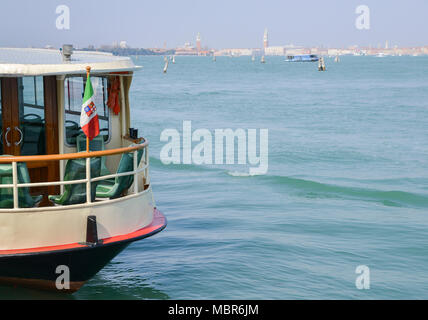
<point x="40" y="106"/>
<point x="48" y="180"/>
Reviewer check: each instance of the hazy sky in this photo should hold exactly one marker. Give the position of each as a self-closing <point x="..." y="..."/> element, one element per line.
<point x="222" y="23"/>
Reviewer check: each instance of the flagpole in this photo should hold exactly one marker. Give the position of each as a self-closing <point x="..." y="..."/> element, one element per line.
<point x="88" y="70"/>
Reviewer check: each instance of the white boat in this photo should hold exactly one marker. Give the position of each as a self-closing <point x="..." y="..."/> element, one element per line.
<point x="263" y="59"/>
<point x="302" y="58"/>
<point x="63" y="202"/>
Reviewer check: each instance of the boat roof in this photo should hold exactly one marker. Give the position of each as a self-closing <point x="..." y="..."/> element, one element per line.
<point x="18" y="62"/>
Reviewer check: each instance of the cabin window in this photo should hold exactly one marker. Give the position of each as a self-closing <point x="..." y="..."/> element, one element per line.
<point x="74" y="89"/>
<point x="32" y="115"/>
<point x="1" y="122"/>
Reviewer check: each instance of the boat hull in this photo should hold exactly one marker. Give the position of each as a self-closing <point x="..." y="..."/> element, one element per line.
<point x="302" y="58"/>
<point x="43" y="268"/>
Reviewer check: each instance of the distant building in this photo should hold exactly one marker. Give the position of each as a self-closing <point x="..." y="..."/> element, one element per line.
<point x="265" y="39"/>
<point x="198" y="42"/>
<point x="275" y="51"/>
<point x="333" y="52"/>
<point x="123" y="45"/>
<point x="189" y="50"/>
<point x="159" y="51"/>
<point x="257" y="52"/>
<point x="236" y="52"/>
<point x="292" y="50"/>
<point x="186" y="50"/>
<point x="107" y="47"/>
<point x="347" y="51"/>
<point x="319" y="51"/>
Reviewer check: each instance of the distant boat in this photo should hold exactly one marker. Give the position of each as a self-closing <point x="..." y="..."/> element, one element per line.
<point x="337" y="59"/>
<point x="380" y="55"/>
<point x="166" y="66"/>
<point x="173" y="59"/>
<point x="253" y="58"/>
<point x="302" y="58"/>
<point x="214" y="59"/>
<point x="263" y="59"/>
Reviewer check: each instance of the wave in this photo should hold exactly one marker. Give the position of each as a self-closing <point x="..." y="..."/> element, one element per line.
<point x="241" y="174"/>
<point x="222" y="92"/>
<point x="314" y="189"/>
<point x="318" y="190"/>
<point x="157" y="163"/>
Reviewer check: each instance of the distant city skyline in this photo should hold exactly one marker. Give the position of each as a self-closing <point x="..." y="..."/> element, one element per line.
<point x="221" y="24"/>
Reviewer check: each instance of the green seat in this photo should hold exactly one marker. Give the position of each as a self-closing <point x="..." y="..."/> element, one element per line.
<point x="25" y="200"/>
<point x="1" y="132"/>
<point x="114" y="189"/>
<point x="76" y="193"/>
<point x="72" y="130"/>
<point x="96" y="144"/>
<point x="33" y="131"/>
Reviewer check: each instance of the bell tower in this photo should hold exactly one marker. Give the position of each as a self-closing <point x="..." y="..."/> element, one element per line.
<point x="198" y="42"/>
<point x="265" y="39"/>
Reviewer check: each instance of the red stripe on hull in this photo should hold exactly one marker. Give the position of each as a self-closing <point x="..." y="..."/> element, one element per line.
<point x="159" y="221"/>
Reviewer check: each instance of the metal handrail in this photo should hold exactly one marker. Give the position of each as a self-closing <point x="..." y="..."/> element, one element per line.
<point x="80" y="155"/>
<point x="70" y="156"/>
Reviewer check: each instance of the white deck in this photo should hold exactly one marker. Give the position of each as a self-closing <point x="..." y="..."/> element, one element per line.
<point x="17" y="62"/>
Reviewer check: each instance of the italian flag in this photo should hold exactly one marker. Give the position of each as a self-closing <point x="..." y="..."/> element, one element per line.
<point x="89" y="117"/>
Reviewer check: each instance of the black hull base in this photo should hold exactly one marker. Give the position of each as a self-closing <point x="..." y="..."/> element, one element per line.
<point x="67" y="269"/>
<point x="40" y="270"/>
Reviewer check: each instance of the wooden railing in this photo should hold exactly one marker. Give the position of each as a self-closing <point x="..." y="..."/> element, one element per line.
<point x="14" y="160"/>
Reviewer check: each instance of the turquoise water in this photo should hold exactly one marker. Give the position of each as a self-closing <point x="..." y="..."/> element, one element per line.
<point x="347" y="183"/>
